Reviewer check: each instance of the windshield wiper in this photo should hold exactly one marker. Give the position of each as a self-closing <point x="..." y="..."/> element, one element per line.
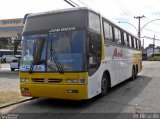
<point x="56" y="60"/>
<point x="37" y="53"/>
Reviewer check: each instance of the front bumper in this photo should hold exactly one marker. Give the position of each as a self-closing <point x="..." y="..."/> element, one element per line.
<point x="71" y="92"/>
<point x="60" y="90"/>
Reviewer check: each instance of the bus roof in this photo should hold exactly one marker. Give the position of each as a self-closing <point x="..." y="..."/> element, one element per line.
<point x="58" y="11"/>
<point x="78" y="9"/>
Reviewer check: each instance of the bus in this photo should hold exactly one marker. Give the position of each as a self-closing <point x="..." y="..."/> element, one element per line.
<point x="7" y="55"/>
<point x="75" y="54"/>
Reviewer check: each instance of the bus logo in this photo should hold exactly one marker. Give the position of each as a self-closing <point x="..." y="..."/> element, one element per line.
<point x="117" y="53"/>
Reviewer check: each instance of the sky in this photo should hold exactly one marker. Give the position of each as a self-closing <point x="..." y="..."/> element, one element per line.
<point x="114" y="10"/>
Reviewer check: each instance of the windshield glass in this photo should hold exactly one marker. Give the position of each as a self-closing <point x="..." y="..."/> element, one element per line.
<point x="34" y="52"/>
<point x="47" y="52"/>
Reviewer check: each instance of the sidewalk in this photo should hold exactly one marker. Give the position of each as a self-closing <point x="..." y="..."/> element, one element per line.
<point x="4" y="66"/>
<point x="9" y="86"/>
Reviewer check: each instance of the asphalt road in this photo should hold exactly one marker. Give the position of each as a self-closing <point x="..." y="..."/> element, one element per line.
<point x="141" y="95"/>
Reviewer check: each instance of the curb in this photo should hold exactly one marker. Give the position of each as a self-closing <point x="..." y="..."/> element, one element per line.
<point x="8" y="71"/>
<point x="14" y="103"/>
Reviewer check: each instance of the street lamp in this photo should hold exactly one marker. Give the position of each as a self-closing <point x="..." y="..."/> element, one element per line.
<point x="139" y="29"/>
<point x="129" y="24"/>
<point x="148" y="23"/>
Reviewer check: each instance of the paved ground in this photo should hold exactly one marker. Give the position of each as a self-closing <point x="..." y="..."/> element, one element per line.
<point x="9" y="86"/>
<point x="141" y="95"/>
<point x="4" y="67"/>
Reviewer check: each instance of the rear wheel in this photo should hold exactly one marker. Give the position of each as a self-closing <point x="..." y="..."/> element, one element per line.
<point x="133" y="74"/>
<point x="136" y="72"/>
<point x="104" y="85"/>
<point x="12" y="69"/>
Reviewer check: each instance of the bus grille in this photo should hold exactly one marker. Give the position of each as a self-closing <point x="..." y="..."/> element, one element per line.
<point x="54" y="80"/>
<point x="41" y="80"/>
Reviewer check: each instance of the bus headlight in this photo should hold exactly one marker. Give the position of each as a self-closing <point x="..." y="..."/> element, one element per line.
<point x="24" y="89"/>
<point x="24" y="80"/>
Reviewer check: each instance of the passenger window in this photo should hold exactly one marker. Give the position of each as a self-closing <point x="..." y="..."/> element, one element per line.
<point x="108" y="31"/>
<point x="135" y="43"/>
<point x="94" y="22"/>
<point x="117" y="35"/>
<point x="130" y="41"/>
<point x="139" y="44"/>
<point x="126" y="43"/>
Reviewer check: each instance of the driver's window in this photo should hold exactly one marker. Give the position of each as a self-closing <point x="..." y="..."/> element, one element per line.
<point x="94" y="52"/>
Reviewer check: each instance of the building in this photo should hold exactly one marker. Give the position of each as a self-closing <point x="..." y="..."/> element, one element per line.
<point x="151" y="49"/>
<point x="9" y="30"/>
<point x="148" y="51"/>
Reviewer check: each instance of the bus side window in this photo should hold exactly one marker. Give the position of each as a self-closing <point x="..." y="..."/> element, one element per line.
<point x="94" y="22"/>
<point x="94" y="52"/>
<point x="135" y="43"/>
<point x="117" y="35"/>
<point x="139" y="44"/>
<point x="130" y="41"/>
<point x="108" y="33"/>
<point x="126" y="43"/>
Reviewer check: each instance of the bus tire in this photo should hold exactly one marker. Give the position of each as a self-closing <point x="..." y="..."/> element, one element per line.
<point x="12" y="69"/>
<point x="104" y="85"/>
<point x="133" y="77"/>
<point x="136" y="71"/>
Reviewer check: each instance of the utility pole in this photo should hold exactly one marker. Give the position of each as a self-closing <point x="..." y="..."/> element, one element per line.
<point x="153" y="44"/>
<point x="139" y="24"/>
<point x="143" y="43"/>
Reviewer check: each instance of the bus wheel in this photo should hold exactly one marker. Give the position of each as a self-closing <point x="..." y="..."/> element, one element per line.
<point x="104" y="85"/>
<point x="12" y="69"/>
<point x="133" y="74"/>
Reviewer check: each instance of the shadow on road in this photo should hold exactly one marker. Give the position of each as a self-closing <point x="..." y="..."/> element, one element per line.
<point x="118" y="98"/>
<point x="9" y="74"/>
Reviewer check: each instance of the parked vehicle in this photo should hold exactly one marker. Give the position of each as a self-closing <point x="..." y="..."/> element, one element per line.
<point x="7" y="55"/>
<point x="14" y="64"/>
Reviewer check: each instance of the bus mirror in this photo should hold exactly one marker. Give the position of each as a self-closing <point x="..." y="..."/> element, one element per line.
<point x="15" y="48"/>
<point x="16" y="45"/>
<point x="90" y="55"/>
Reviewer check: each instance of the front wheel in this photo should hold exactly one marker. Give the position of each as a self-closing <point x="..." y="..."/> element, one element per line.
<point x="12" y="69"/>
<point x="104" y="85"/>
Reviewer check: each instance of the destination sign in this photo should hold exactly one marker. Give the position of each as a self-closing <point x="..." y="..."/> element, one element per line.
<point x="63" y="29"/>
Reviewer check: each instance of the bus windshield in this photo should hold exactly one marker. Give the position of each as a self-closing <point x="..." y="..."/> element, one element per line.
<point x="47" y="52"/>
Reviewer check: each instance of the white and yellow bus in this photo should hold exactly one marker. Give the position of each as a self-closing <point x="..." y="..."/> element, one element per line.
<point x="75" y="54"/>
